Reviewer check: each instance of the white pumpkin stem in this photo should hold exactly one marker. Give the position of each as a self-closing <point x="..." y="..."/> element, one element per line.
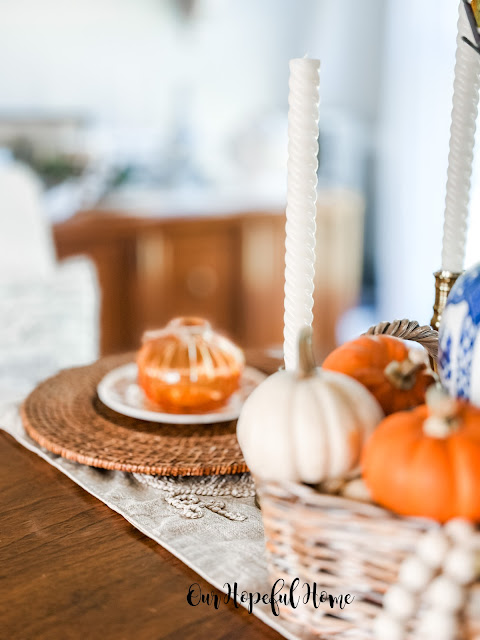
<point x="443" y="418"/>
<point x="403" y="375"/>
<point x="306" y="358"/>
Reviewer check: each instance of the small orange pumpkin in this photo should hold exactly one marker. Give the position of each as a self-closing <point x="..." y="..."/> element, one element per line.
<point x="396" y="375"/>
<point x="426" y="462"/>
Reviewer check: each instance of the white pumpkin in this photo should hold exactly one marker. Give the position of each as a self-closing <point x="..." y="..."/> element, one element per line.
<point x="307" y="426"/>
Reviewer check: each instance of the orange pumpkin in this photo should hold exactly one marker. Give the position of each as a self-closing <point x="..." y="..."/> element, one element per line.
<point x="426" y="462"/>
<point x="396" y="375"/>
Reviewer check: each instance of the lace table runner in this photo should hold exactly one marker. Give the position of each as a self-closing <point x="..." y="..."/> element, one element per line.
<point x="211" y="524"/>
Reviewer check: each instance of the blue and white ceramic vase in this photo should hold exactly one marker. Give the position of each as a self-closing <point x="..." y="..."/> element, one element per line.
<point x="459" y="338"/>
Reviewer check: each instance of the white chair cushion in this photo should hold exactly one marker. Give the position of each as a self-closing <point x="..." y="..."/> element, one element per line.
<point x="46" y="325"/>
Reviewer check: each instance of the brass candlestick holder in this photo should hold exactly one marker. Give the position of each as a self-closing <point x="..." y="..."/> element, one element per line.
<point x="444" y="281"/>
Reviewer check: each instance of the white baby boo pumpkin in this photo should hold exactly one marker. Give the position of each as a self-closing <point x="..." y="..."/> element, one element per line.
<point x="306" y="426"/>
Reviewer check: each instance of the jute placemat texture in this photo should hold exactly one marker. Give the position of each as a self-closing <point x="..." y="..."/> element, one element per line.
<point x="65" y="416"/>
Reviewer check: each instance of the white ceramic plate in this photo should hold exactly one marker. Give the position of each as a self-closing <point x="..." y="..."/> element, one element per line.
<point x="119" y="391"/>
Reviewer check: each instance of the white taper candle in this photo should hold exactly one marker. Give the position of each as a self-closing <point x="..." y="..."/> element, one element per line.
<point x="462" y="140"/>
<point x="301" y="200"/>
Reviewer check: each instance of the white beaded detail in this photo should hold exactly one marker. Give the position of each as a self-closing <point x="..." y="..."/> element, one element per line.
<point x="445" y="593"/>
<point x="182" y="493"/>
<point x="460" y="565"/>
<point x="188" y="505"/>
<point x="399" y="602"/>
<point x="432" y="548"/>
<point x="438" y="625"/>
<point x="388" y="628"/>
<point x="433" y="582"/>
<point x="460" y="530"/>
<point x="415" y="574"/>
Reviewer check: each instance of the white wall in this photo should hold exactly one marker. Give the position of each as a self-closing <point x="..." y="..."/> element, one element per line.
<point x="413" y="150"/>
<point x="122" y="61"/>
<point x="107" y="58"/>
<point x="241" y="48"/>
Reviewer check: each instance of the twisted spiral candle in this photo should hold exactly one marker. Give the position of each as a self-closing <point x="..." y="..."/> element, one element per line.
<point x="462" y="139"/>
<point x="301" y="200"/>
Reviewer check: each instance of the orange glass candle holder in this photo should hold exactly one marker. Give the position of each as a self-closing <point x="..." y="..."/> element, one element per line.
<point x="188" y="368"/>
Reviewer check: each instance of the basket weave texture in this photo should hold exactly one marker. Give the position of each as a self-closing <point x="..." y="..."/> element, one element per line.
<point x="344" y="546"/>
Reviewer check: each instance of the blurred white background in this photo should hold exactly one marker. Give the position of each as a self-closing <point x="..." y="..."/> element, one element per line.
<point x="130" y="96"/>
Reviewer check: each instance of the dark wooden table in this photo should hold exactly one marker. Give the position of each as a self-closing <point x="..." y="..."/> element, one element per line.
<point x="71" y="568"/>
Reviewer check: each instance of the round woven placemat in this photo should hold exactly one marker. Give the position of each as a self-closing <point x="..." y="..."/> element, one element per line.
<point x="64" y="415"/>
